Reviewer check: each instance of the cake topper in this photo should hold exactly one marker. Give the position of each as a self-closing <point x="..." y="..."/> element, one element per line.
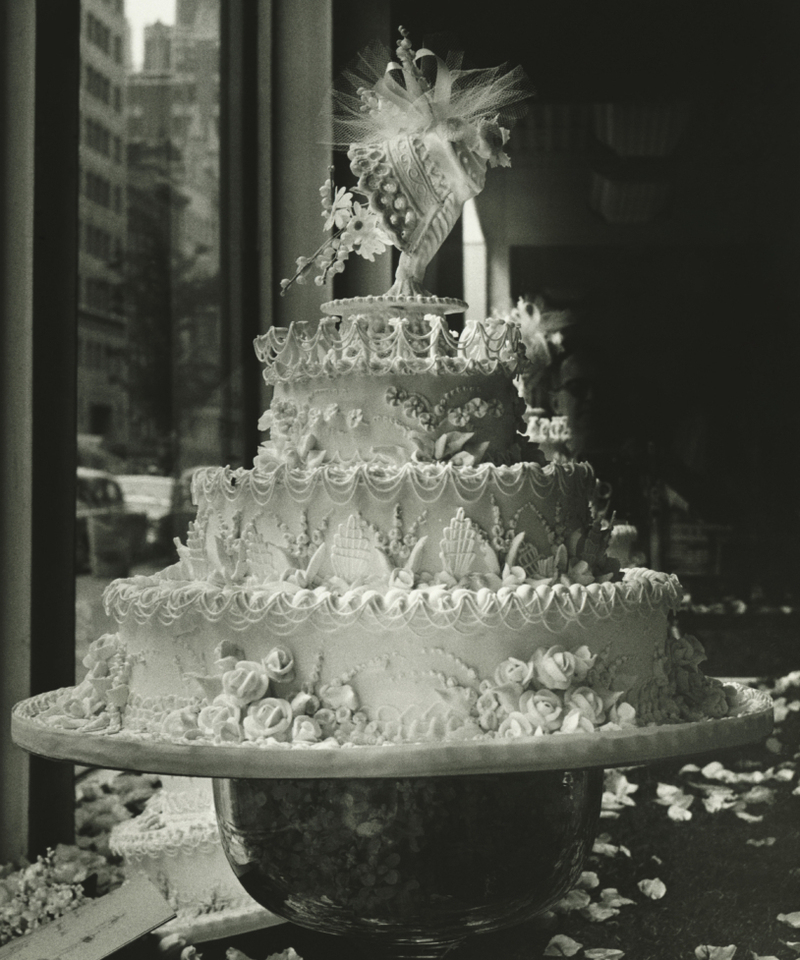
<point x="420" y="132"/>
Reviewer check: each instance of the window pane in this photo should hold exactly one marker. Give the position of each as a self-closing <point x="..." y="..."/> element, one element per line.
<point x="153" y="393"/>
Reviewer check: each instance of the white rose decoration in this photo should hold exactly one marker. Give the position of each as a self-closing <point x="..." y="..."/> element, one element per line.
<point x="513" y="671"/>
<point x="554" y="668"/>
<point x="279" y="664"/>
<point x="246" y="682"/>
<point x="584" y="661"/>
<point x="181" y="723"/>
<point x="326" y="720"/>
<point x="516" y="725"/>
<point x="337" y="695"/>
<point x="543" y="708"/>
<point x="306" y="729"/>
<point x="221" y="719"/>
<point x="102" y="649"/>
<point x="270" y="717"/>
<point x="590" y="704"/>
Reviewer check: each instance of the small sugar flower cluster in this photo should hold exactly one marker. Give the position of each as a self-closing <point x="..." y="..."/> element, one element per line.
<point x="252" y="701"/>
<point x="258" y="702"/>
<point x="353" y="227"/>
<point x="550" y="693"/>
<point x="36" y="894"/>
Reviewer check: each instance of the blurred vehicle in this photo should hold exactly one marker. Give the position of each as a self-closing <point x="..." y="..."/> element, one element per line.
<point x="152" y="496"/>
<point x="98" y="498"/>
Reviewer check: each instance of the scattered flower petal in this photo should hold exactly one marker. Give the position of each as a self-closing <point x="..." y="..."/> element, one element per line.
<point x="603" y="953"/>
<point x="715" y="771"/>
<point x="597" y="912"/>
<point x="758" y="795"/>
<point x="562" y="946"/>
<point x="655" y="889"/>
<point x="611" y="897"/>
<point x="764" y="842"/>
<point x="793" y="919"/>
<point x="588" y="880"/>
<point x="575" y="900"/>
<point x="678" y="813"/>
<point x="749" y="817"/>
<point x="707" y="952"/>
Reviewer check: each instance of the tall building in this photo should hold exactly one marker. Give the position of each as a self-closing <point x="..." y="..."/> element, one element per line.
<point x="102" y="334"/>
<point x="173" y="218"/>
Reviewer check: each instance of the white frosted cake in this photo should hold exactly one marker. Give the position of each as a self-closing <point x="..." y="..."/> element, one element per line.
<point x="175" y="843"/>
<point x="390" y="570"/>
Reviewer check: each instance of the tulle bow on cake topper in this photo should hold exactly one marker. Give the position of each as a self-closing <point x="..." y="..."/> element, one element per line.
<point x="420" y="132"/>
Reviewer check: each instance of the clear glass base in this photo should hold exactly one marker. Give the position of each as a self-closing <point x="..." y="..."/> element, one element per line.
<point x="411" y="866"/>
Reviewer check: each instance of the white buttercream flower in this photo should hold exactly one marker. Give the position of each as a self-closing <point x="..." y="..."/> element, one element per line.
<point x="587" y="702"/>
<point x="544" y="709"/>
<point x="221" y="719"/>
<point x="516" y="725"/>
<point x="270" y="717"/>
<point x="102" y="649"/>
<point x="584" y="661"/>
<point x="554" y="668"/>
<point x="513" y="671"/>
<point x="247" y="681"/>
<point x="576" y="722"/>
<point x="326" y="720"/>
<point x="181" y="723"/>
<point x="339" y="695"/>
<point x="279" y="665"/>
<point x="306" y="729"/>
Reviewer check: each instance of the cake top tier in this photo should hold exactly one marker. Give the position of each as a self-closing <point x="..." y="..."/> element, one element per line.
<point x="388" y="345"/>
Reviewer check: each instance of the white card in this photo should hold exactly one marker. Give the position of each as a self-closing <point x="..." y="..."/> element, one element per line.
<point x="96" y="928"/>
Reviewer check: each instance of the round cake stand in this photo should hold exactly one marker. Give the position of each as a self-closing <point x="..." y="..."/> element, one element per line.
<point x="407" y="848"/>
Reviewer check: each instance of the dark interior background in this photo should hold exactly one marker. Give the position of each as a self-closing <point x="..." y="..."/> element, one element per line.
<point x="694" y="315"/>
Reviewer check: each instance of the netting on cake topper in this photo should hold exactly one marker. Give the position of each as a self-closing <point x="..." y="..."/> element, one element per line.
<point x="420" y="132"/>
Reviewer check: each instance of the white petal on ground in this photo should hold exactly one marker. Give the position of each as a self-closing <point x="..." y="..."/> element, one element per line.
<point x="562" y="946"/>
<point x="707" y="952"/>
<point x="655" y="888"/>
<point x="576" y="899"/>
<point x="603" y="953"/>
<point x="793" y="919"/>
<point x="749" y="817"/>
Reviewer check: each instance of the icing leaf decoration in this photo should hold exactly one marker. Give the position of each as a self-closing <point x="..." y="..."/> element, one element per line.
<point x="412" y="563"/>
<point x="516" y="543"/>
<point x="449" y="443"/>
<point x="315" y="563"/>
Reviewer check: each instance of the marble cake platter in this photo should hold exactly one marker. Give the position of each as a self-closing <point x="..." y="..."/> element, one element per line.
<point x="751" y="720"/>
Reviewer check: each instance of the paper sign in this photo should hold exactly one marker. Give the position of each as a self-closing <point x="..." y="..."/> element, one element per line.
<point x="96" y="928"/>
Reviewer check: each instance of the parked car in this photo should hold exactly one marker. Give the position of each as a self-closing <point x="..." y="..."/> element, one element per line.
<point x="152" y="496"/>
<point x="98" y="495"/>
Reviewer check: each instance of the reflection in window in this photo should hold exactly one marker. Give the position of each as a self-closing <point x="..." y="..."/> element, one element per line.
<point x="151" y="386"/>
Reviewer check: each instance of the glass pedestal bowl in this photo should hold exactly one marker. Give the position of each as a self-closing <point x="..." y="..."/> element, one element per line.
<point x="411" y="866"/>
